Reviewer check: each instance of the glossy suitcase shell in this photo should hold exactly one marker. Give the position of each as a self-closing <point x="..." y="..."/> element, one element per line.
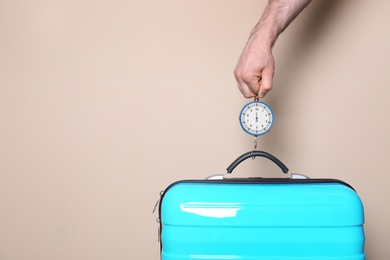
<point x="261" y="219"/>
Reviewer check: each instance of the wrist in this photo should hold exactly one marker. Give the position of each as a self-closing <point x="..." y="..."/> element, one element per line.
<point x="263" y="37"/>
<point x="266" y="30"/>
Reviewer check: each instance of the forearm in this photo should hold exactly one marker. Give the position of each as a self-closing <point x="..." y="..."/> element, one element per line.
<point x="255" y="69"/>
<point x="275" y="19"/>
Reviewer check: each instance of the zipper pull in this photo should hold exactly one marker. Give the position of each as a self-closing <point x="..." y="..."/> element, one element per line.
<point x="158" y="218"/>
<point x="158" y="230"/>
<point x="158" y="201"/>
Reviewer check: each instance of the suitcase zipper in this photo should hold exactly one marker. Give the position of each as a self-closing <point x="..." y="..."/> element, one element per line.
<point x="158" y="201"/>
<point x="158" y="217"/>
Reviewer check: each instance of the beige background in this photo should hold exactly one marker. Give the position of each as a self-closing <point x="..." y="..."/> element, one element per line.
<point x="105" y="103"/>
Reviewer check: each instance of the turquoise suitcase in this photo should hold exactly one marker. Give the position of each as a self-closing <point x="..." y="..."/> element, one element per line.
<point x="294" y="218"/>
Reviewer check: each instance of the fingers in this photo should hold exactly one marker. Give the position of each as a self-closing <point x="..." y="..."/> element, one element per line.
<point x="254" y="84"/>
<point x="254" y="73"/>
<point x="248" y="87"/>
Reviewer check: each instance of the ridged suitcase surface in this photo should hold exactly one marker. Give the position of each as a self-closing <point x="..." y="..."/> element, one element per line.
<point x="261" y="219"/>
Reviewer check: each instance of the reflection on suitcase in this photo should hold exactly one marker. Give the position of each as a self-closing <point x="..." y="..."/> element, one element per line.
<point x="261" y="219"/>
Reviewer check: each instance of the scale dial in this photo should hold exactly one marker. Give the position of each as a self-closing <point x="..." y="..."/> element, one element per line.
<point x="256" y="118"/>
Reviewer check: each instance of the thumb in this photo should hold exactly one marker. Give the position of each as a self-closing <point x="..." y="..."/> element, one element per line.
<point x="266" y="82"/>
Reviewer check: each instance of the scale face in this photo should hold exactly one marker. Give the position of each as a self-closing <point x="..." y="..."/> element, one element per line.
<point x="256" y="118"/>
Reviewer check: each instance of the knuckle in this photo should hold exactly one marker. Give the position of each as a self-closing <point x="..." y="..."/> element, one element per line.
<point x="247" y="76"/>
<point x="248" y="95"/>
<point x="267" y="87"/>
<point x="237" y="73"/>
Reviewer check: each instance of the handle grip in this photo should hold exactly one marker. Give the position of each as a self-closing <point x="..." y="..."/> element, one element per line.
<point x="252" y="154"/>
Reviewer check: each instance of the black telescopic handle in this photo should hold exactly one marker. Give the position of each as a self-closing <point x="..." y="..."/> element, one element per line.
<point x="253" y="154"/>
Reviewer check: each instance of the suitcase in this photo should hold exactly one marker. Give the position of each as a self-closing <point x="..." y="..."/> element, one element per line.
<point x="294" y="218"/>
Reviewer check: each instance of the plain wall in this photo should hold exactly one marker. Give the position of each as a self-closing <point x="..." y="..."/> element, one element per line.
<point x="105" y="103"/>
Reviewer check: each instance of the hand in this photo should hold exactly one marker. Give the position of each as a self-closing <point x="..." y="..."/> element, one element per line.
<point x="255" y="70"/>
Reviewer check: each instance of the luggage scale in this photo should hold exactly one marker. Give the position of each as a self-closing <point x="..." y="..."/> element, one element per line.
<point x="256" y="118"/>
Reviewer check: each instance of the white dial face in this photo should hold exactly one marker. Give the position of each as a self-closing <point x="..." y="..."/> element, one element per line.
<point x="256" y="118"/>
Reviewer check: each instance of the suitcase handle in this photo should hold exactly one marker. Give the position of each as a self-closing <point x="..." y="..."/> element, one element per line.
<point x="253" y="154"/>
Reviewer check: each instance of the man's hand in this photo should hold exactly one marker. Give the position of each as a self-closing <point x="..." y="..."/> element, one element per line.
<point x="255" y="69"/>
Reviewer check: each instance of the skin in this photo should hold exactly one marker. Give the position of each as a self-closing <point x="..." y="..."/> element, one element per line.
<point x="255" y="68"/>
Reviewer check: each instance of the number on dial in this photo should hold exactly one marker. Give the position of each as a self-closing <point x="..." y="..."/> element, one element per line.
<point x="256" y="118"/>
